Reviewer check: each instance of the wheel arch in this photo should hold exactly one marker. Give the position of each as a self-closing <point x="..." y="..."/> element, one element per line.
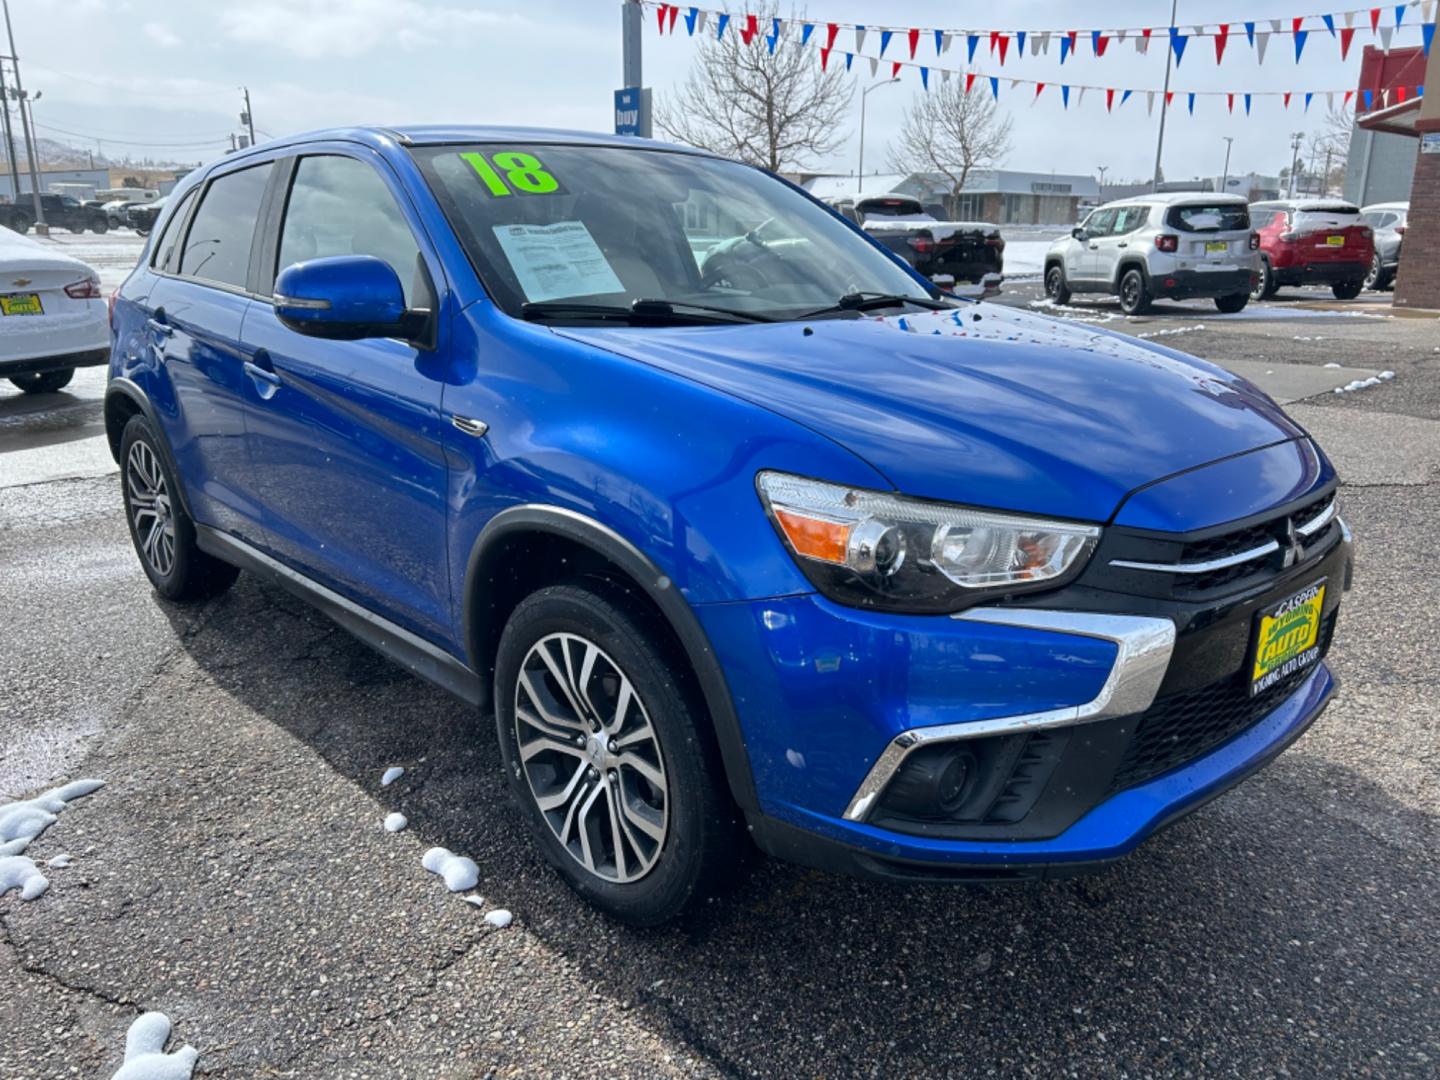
<point x="123" y="400"/>
<point x="1126" y="264"/>
<point x="526" y="547"/>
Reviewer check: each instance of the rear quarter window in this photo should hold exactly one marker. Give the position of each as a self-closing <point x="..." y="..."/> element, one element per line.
<point x="166" y="251"/>
<point x="1215" y="217"/>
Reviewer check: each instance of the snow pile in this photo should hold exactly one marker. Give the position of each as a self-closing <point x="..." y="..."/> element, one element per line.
<point x="1077" y="314"/>
<point x="458" y="872"/>
<point x="145" y="1057"/>
<point x="499" y="918"/>
<point x="391" y="775"/>
<point x="395" y="822"/>
<point x="1365" y="384"/>
<point x="1173" y="330"/>
<point x="23" y="821"/>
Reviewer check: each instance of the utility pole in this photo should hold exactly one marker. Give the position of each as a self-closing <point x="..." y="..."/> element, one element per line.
<point x="1225" y="180"/>
<point x="860" y="177"/>
<point x="9" y="138"/>
<point x="25" y="129"/>
<point x="1296" y="138"/>
<point x="632" y="17"/>
<point x="1164" y="97"/>
<point x="248" y="116"/>
<point x="1102" y="170"/>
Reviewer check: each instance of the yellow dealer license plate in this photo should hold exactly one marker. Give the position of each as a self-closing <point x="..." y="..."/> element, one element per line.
<point x="21" y="304"/>
<point x="1335" y="241"/>
<point x="1216" y="247"/>
<point x="1287" y="639"/>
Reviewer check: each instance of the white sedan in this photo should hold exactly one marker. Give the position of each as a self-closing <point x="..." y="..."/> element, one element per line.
<point x="53" y="317"/>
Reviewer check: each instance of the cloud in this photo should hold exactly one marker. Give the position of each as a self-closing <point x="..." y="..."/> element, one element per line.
<point x="313" y="29"/>
<point x="162" y="35"/>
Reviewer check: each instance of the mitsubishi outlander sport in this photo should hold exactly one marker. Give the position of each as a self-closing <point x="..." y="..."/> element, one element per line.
<point x="765" y="537"/>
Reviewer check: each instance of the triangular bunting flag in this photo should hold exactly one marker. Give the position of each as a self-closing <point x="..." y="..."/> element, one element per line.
<point x="1039" y="86"/>
<point x="1125" y="96"/>
<point x="831" y="29"/>
<point x="1192" y="104"/>
<point x="824" y="58"/>
<point x="752" y="27"/>
<point x="885" y="36"/>
<point x="1064" y="47"/>
<point x="859" y="39"/>
<point x="1386" y="33"/>
<point x="1230" y="102"/>
<point x="1347" y="35"/>
<point x="1329" y="23"/>
<point x="1329" y="99"/>
<point x="1169" y="97"/>
<point x="1250" y="33"/>
<point x="1427" y="36"/>
<point x="1247" y="104"/>
<point x="1120" y="34"/>
<point x="1300" y="36"/>
<point x="1109" y="99"/>
<point x="1004" y="44"/>
<point x="945" y="41"/>
<point x="1149" y="102"/>
<point x="913" y="36"/>
<point x="874" y="66"/>
<point x="661" y="10"/>
<point x="895" y="69"/>
<point x="1349" y="18"/>
<point x="805" y="31"/>
<point x="1099" y="42"/>
<point x="925" y="76"/>
<point x="969" y="80"/>
<point x="1285" y="97"/>
<point x="1307" y="101"/>
<point x="1384" y="97"/>
<point x="1374" y="19"/>
<point x="690" y="17"/>
<point x="1177" y="43"/>
<point x="994" y="88"/>
<point x="721" y="22"/>
<point x="1348" y="95"/>
<point x="971" y="40"/>
<point x="1275" y="25"/>
<point x="849" y="60"/>
<point x="702" y="21"/>
<point x="1262" y="42"/>
<point x="1020" y="42"/>
<point x="1369" y="99"/>
<point x="1400" y="12"/>
<point x="939" y="42"/>
<point x="994" y="41"/>
<point x="1039" y="43"/>
<point x="1142" y="43"/>
<point x="1222" y="38"/>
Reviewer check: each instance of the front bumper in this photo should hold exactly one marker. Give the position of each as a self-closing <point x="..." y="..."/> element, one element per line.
<point x="832" y="700"/>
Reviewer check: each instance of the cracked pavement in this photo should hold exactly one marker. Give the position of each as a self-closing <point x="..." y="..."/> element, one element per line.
<point x="234" y="874"/>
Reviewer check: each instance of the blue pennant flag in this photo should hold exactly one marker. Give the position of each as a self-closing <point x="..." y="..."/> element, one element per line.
<point x="1065" y="94"/>
<point x="1300" y="36"/>
<point x="805" y="32"/>
<point x="1178" y="42"/>
<point x="1064" y="47"/>
<point x="970" y="43"/>
<point x="885" y="36"/>
<point x="925" y="76"/>
<point x="939" y="41"/>
<point x="1125" y="96"/>
<point x="720" y="24"/>
<point x="1250" y="33"/>
<point x="1400" y="12"/>
<point x="994" y="87"/>
<point x="1307" y="101"/>
<point x="1329" y="23"/>
<point x="1369" y="100"/>
<point x="1020" y="41"/>
<point x="849" y="59"/>
<point x="1247" y="104"/>
<point x="690" y="17"/>
<point x="1427" y="33"/>
<point x="1192" y="104"/>
<point x="773" y="38"/>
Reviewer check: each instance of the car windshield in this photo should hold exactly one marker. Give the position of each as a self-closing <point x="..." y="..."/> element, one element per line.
<point x="605" y="227"/>
<point x="1209" y="217"/>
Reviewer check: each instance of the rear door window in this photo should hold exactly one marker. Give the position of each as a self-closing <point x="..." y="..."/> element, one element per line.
<point x="1209" y="217"/>
<point x="217" y="247"/>
<point x="1129" y="218"/>
<point x="341" y="206"/>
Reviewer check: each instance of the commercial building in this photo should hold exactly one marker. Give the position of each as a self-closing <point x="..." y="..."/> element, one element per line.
<point x="1381" y="162"/>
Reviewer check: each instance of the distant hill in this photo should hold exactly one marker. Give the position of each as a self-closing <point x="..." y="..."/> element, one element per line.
<point x="54" y="154"/>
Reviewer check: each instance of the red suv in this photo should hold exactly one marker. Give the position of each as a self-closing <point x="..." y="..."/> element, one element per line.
<point x="1311" y="242"/>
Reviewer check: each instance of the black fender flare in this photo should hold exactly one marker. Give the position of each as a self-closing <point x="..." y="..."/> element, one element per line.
<point x="121" y="387"/>
<point x="661" y="590"/>
<point x="1132" y="262"/>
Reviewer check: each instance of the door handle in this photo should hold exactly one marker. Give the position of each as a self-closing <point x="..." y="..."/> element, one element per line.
<point x="1122" y="244"/>
<point x="164" y="329"/>
<point x="266" y="381"/>
<point x="1094" y="247"/>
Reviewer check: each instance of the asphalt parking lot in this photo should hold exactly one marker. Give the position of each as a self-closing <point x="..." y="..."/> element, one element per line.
<point x="234" y="874"/>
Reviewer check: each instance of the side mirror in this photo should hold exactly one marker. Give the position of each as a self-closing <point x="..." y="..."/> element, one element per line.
<point x="343" y="298"/>
<point x="1078" y="233"/>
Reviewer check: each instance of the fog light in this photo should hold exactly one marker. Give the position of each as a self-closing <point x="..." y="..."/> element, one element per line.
<point x="933" y="783"/>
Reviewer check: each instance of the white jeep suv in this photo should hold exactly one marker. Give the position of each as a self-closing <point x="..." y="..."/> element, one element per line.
<point x="1152" y="247"/>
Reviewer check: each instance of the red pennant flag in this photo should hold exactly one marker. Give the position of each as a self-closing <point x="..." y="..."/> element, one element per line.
<point x="1038" y="87"/>
<point x="1109" y="99"/>
<point x="1004" y="44"/>
<point x="1286" y="98"/>
<point x="674" y="10"/>
<point x="1348" y="95"/>
<point x="831" y="29"/>
<point x="825" y="58"/>
<point x="914" y="37"/>
<point x="895" y="70"/>
<point x="1101" y="44"/>
<point x="994" y="41"/>
<point x="969" y="81"/>
<point x="1374" y="20"/>
<point x="1169" y="97"/>
<point x="1222" y="38"/>
<point x="1400" y="93"/>
<point x="660" y="11"/>
<point x="752" y="27"/>
<point x="1347" y="35"/>
<point x="1146" y="35"/>
<point x="1230" y="101"/>
<point x="1072" y="35"/>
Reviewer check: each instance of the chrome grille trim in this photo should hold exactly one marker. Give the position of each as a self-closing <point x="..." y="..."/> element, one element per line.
<point x="1319" y="521"/>
<point x="1205" y="567"/>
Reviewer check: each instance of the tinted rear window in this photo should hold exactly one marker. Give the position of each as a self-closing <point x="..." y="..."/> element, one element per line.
<point x="217" y="248"/>
<point x="879" y="208"/>
<point x="1215" y="217"/>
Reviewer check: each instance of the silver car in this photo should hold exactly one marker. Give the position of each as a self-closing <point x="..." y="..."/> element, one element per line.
<point x="1173" y="247"/>
<point x="1388" y="222"/>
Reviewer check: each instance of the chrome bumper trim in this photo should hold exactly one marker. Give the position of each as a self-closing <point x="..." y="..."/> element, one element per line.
<point x="1144" y="646"/>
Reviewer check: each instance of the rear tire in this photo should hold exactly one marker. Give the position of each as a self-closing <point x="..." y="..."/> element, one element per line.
<point x="1055" y="286"/>
<point x="101" y="227"/>
<point x="1265" y="283"/>
<point x="610" y="720"/>
<point x="1229" y="305"/>
<point x="44" y="382"/>
<point x="1135" y="298"/>
<point x="161" y="530"/>
<point x="1347" y="290"/>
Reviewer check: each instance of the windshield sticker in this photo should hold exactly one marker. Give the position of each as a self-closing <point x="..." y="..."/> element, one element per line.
<point x="512" y="173"/>
<point x="555" y="261"/>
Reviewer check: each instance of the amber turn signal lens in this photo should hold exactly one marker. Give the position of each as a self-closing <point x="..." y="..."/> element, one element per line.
<point x="814" y="538"/>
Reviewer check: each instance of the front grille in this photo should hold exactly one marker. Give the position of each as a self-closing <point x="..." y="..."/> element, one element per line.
<point x="1180" y="728"/>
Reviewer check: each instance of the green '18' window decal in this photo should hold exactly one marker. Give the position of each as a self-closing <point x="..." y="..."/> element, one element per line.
<point x="510" y="172"/>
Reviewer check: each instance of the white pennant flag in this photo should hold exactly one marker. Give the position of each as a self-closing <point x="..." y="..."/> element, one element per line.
<point x="1386" y="33"/>
<point x="1120" y="35"/>
<point x="700" y="22"/>
<point x="1330" y="99"/>
<point x="1044" y="39"/>
<point x="1198" y="31"/>
<point x="1080" y="98"/>
<point x="1385" y="96"/>
<point x="1035" y="44"/>
<point x="1014" y="84"/>
<point x="1142" y="45"/>
<point x="1349" y="19"/>
<point x="873" y="65"/>
<point x="1150" y="103"/>
<point x="859" y="39"/>
<point x="945" y="42"/>
<point x="945" y="75"/>
<point x="1262" y="42"/>
<point x="1275" y="25"/>
<point x="1429" y="12"/>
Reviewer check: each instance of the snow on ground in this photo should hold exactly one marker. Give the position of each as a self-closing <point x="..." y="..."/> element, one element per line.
<point x="145" y="1057"/>
<point x="458" y="872"/>
<point x="395" y="822"/>
<point x="1025" y="258"/>
<point x="391" y="775"/>
<point x="20" y="823"/>
<point x="499" y="918"/>
<point x="1173" y="330"/>
<point x="1365" y="384"/>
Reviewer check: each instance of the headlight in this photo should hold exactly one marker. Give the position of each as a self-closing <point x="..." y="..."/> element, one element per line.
<point x="870" y="549"/>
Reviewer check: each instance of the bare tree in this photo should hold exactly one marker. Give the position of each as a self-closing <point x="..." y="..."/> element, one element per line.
<point x="776" y="109"/>
<point x="1330" y="146"/>
<point x="951" y="132"/>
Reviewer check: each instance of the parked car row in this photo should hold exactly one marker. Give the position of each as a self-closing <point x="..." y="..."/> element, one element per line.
<point x="1197" y="245"/>
<point x="97" y="215"/>
<point x="946" y="252"/>
<point x="52" y="315"/>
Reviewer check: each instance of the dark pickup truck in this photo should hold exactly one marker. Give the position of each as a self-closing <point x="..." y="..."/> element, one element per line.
<point x="61" y="212"/>
<point x="965" y="251"/>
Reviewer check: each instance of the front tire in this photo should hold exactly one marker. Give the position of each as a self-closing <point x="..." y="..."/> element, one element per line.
<point x="44" y="382"/>
<point x="100" y="227"/>
<point x="1135" y="298"/>
<point x="1347" y="290"/>
<point x="1229" y="305"/>
<point x="1055" y="285"/>
<point x="161" y="530"/>
<point x="1265" y="283"/>
<point x="606" y="747"/>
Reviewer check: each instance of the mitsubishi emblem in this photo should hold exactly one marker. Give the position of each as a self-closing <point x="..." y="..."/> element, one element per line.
<point x="1294" y="551"/>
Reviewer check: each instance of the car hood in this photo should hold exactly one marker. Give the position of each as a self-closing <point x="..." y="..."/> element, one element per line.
<point x="984" y="405"/>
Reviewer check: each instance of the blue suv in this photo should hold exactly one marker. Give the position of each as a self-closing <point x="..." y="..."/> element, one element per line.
<point x="741" y="526"/>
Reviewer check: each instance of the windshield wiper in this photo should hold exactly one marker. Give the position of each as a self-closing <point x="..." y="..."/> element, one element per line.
<point x="869" y="301"/>
<point x="641" y="311"/>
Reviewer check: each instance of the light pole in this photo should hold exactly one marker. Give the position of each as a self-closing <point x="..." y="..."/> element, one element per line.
<point x="40" y="228"/>
<point x="860" y="177"/>
<point x="1164" y="97"/>
<point x="1102" y="170"/>
<point x="1225" y="179"/>
<point x="1296" y="139"/>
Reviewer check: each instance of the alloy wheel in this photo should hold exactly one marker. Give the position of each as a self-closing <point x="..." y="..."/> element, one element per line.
<point x="150" y="508"/>
<point x="591" y="757"/>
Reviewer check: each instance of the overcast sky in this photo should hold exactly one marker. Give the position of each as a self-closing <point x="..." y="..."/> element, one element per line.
<point x="161" y="76"/>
